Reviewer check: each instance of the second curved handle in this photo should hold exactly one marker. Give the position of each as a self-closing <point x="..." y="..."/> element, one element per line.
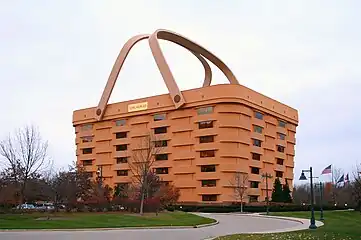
<point x="163" y="66"/>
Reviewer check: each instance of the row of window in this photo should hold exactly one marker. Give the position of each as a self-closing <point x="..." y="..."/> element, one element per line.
<point x="201" y="125"/>
<point x="257" y="157"/>
<point x="202" y="139"/>
<point x="205" y="183"/>
<point x="260" y="115"/>
<point x="163" y="170"/>
<point x="259" y="129"/>
<point x="124" y="147"/>
<point x="163" y="116"/>
<point x="258" y="143"/>
<point x="213" y="183"/>
<point x="214" y="198"/>
<point x="204" y="168"/>
<point x="164" y="156"/>
<point x="164" y="143"/>
<point x="200" y="111"/>
<point x="256" y="170"/>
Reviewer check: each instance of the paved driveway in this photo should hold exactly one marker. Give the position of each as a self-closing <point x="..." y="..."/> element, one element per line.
<point x="228" y="224"/>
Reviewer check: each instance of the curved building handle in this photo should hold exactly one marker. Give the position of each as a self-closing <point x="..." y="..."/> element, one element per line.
<point x="100" y="110"/>
<point x="163" y="66"/>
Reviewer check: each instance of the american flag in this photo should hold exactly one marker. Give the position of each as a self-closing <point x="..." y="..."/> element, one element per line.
<point x="327" y="170"/>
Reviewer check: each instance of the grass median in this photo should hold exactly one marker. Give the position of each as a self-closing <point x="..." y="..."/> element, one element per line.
<point x="345" y="225"/>
<point x="98" y="220"/>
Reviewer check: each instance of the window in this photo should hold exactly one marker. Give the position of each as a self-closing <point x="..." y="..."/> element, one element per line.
<point x="87" y="139"/>
<point x="122" y="147"/>
<point x="121" y="135"/>
<point x="160" y="130"/>
<point x="258" y="115"/>
<point x="205" y="124"/>
<point x="87" y="127"/>
<point x="87" y="151"/>
<point x="120" y="122"/>
<point x="257" y="129"/>
<point x="254" y="170"/>
<point x="205" y="110"/>
<point x="207" y="153"/>
<point x="280" y="148"/>
<point x="281" y="136"/>
<point x="206" y="139"/>
<point x="161" y="143"/>
<point x="122" y="160"/>
<point x="256" y="156"/>
<point x="209" y="198"/>
<point x="87" y="162"/>
<point x="257" y="143"/>
<point x="208" y="168"/>
<point x="253" y="184"/>
<point x="279" y="174"/>
<point x="161" y="170"/>
<point x="279" y="161"/>
<point x="159" y="117"/>
<point x="122" y="172"/>
<point x="160" y="157"/>
<point x="253" y="198"/>
<point x="281" y="123"/>
<point x="209" y="183"/>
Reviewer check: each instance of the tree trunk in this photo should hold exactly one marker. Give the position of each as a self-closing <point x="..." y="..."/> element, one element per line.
<point x="56" y="205"/>
<point x="22" y="192"/>
<point x="141" y="203"/>
<point x="241" y="206"/>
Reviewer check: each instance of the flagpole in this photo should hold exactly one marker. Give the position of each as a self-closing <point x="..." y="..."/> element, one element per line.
<point x="332" y="180"/>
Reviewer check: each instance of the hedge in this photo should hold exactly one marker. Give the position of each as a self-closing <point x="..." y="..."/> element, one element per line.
<point x="251" y="209"/>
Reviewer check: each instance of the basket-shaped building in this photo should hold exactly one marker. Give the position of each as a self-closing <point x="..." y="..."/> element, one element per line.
<point x="210" y="141"/>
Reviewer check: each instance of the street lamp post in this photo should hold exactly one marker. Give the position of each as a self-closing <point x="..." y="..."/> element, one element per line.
<point x="303" y="177"/>
<point x="266" y="176"/>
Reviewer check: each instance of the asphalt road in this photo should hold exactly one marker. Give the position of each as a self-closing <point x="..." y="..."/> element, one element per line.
<point x="228" y="224"/>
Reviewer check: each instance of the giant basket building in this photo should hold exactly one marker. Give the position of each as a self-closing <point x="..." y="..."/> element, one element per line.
<point x="206" y="136"/>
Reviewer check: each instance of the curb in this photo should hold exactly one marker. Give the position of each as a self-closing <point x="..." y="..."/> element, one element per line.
<point x="260" y="215"/>
<point x="299" y="220"/>
<point x="207" y="224"/>
<point x="111" y="229"/>
<point x="282" y="218"/>
<point x="264" y="216"/>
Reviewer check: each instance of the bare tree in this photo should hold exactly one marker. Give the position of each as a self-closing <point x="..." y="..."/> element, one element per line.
<point x="25" y="156"/>
<point x="143" y="157"/>
<point x="240" y="186"/>
<point x="70" y="186"/>
<point x="301" y="194"/>
<point x="336" y="175"/>
<point x="356" y="186"/>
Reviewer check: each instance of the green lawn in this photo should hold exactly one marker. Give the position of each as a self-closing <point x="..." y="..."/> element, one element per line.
<point x="338" y="225"/>
<point x="98" y="220"/>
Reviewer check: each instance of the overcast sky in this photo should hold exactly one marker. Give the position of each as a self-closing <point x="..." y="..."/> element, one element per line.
<point x="55" y="57"/>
